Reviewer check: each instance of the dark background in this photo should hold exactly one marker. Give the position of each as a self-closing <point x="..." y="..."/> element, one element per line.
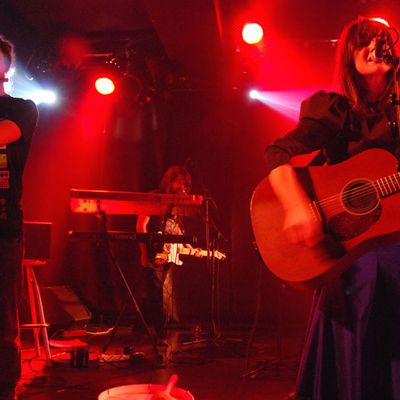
<point x="181" y="98"/>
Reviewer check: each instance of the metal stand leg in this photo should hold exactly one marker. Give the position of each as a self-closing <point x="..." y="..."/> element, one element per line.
<point x="150" y="333"/>
<point x="277" y="362"/>
<point x="36" y="308"/>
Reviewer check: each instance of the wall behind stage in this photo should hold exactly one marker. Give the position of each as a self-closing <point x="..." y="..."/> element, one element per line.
<point x="75" y="147"/>
<point x="252" y="281"/>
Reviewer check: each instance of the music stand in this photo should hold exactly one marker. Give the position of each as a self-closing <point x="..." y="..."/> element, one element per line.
<point x="212" y="245"/>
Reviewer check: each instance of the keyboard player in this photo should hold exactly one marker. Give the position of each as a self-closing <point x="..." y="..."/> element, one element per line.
<point x="157" y="259"/>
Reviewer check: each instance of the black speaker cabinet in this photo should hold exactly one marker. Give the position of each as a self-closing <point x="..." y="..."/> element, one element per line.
<point x="63" y="309"/>
<point x="37" y="240"/>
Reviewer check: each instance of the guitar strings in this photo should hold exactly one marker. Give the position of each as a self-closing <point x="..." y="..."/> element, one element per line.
<point x="336" y="205"/>
<point x="365" y="187"/>
<point x="331" y="202"/>
<point x="354" y="194"/>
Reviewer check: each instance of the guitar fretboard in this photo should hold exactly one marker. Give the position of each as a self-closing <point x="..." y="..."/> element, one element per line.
<point x="388" y="185"/>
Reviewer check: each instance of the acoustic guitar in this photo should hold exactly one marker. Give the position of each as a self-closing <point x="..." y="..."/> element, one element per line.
<point x="358" y="205"/>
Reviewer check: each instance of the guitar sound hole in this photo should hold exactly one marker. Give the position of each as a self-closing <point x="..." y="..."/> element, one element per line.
<point x="360" y="197"/>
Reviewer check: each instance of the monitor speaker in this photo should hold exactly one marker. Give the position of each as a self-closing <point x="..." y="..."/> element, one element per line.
<point x="63" y="309"/>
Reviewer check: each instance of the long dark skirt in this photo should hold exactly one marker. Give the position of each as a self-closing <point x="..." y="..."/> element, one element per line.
<point x="352" y="347"/>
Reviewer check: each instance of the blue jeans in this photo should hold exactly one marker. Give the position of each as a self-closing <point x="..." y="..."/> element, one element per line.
<point x="11" y="251"/>
<point x="152" y="303"/>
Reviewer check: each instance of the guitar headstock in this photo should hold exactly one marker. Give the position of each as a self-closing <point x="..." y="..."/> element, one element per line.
<point x="219" y="255"/>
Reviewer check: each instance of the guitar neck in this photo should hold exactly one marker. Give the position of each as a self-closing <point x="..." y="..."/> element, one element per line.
<point x="388" y="185"/>
<point x="191" y="252"/>
<point x="203" y="253"/>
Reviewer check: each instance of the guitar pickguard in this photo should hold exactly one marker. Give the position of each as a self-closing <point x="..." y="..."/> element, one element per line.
<point x="345" y="226"/>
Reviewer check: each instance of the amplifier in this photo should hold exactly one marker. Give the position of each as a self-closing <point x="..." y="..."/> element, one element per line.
<point x="37" y="240"/>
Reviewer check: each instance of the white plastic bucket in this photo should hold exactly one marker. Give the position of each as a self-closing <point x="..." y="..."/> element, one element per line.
<point x="142" y="392"/>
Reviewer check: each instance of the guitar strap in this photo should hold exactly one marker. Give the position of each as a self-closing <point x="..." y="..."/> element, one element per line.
<point x="318" y="160"/>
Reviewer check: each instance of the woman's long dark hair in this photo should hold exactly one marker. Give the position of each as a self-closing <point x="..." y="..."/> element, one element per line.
<point x="356" y="35"/>
<point x="173" y="173"/>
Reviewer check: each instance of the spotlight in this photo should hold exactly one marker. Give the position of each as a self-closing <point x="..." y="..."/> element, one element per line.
<point x="381" y="20"/>
<point x="104" y="86"/>
<point x="254" y="94"/>
<point x="43" y="96"/>
<point x="252" y="33"/>
<point x="286" y="103"/>
<point x="9" y="75"/>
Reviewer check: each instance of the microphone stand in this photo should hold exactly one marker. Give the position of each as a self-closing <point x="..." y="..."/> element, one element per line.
<point x="212" y="242"/>
<point x="153" y="340"/>
<point x="210" y="264"/>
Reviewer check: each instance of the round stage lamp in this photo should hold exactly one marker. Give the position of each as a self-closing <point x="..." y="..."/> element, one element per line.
<point x="252" y="33"/>
<point x="104" y="86"/>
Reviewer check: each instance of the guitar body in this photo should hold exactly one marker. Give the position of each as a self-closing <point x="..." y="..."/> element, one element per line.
<point x="170" y="255"/>
<point x="353" y="224"/>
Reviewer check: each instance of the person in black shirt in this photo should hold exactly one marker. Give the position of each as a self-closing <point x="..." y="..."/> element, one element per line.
<point x="157" y="302"/>
<point x="352" y="346"/>
<point x="18" y="120"/>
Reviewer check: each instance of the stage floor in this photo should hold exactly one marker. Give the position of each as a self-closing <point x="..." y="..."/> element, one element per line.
<point x="209" y="368"/>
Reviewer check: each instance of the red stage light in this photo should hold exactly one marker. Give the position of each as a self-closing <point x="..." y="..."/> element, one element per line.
<point x="252" y="33"/>
<point x="381" y="20"/>
<point x="104" y="86"/>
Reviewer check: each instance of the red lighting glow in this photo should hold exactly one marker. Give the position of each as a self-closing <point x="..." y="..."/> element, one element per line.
<point x="104" y="86"/>
<point x="252" y="33"/>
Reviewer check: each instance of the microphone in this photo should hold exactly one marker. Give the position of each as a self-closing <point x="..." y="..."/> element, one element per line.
<point x="381" y="48"/>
